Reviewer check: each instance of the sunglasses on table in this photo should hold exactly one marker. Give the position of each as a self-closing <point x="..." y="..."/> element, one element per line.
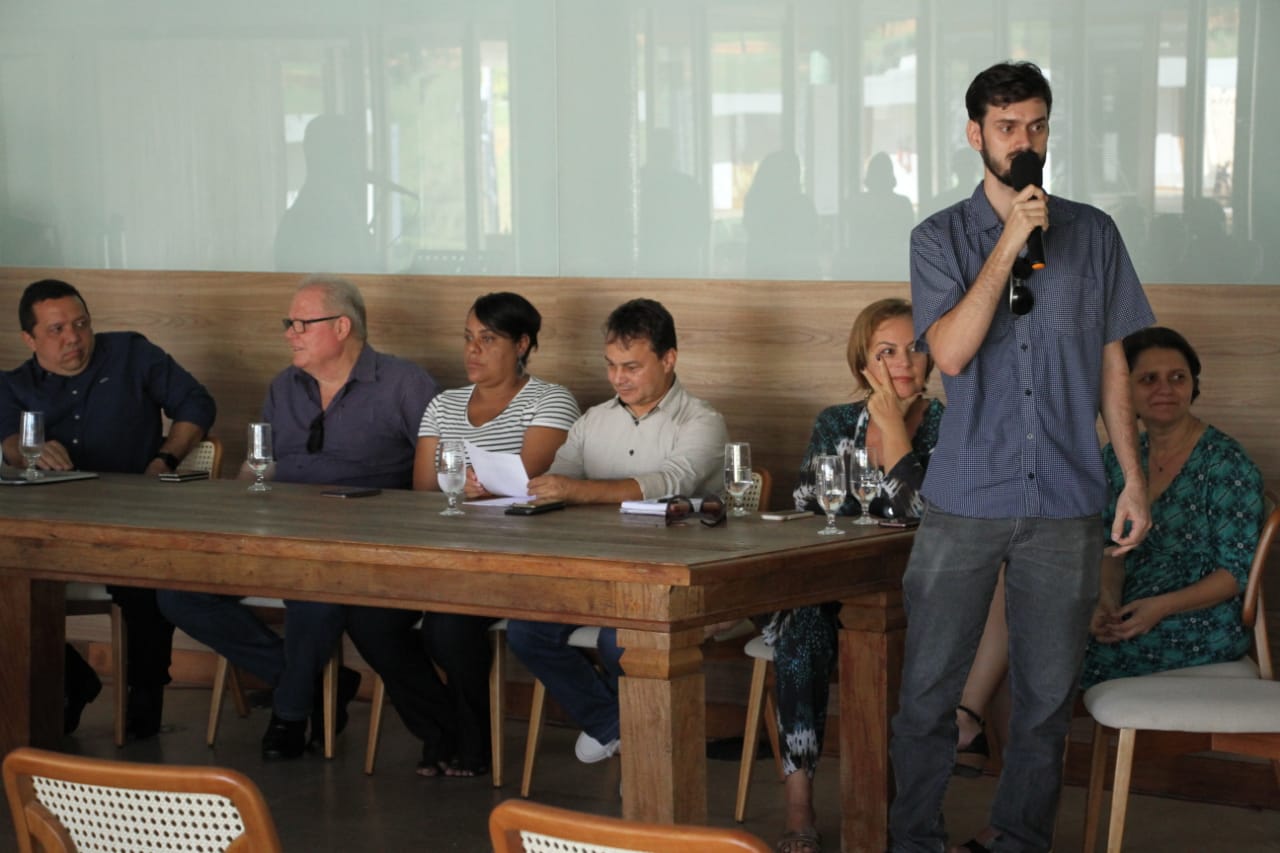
<point x="710" y="512"/>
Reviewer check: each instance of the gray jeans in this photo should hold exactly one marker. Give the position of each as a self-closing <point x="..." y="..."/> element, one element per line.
<point x="1051" y="586"/>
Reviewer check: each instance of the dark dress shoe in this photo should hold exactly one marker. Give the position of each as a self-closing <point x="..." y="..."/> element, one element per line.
<point x="82" y="687"/>
<point x="284" y="738"/>
<point x="143" y="712"/>
<point x="73" y="707"/>
<point x="348" y="685"/>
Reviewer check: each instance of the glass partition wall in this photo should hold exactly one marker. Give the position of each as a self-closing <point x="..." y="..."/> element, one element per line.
<point x="790" y="139"/>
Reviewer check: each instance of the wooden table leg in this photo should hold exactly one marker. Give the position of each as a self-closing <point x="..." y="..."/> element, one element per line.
<point x="664" y="727"/>
<point x="32" y="632"/>
<point x="872" y="633"/>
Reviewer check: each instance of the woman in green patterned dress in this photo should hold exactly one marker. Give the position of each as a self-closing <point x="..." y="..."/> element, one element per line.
<point x="1175" y="600"/>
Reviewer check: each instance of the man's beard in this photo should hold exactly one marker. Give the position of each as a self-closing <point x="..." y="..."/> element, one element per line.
<point x="1005" y="177"/>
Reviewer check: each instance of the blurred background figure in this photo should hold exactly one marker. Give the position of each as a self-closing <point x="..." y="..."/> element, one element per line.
<point x="781" y="221"/>
<point x="965" y="173"/>
<point x="327" y="228"/>
<point x="675" y="215"/>
<point x="880" y="223"/>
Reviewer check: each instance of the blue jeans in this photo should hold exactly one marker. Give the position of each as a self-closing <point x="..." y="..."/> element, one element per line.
<point x="290" y="664"/>
<point x="1051" y="587"/>
<point x="589" y="696"/>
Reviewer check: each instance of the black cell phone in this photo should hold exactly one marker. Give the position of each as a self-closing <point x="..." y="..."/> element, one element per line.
<point x="182" y="476"/>
<point x="351" y="492"/>
<point x="899" y="523"/>
<point x="534" y="507"/>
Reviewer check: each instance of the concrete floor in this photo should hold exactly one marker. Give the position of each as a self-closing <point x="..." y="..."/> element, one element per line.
<point x="323" y="805"/>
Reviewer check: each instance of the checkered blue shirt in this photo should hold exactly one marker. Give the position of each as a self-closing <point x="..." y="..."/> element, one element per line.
<point x="1019" y="437"/>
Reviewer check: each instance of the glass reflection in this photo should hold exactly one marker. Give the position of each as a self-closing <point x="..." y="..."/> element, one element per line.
<point x="785" y="139"/>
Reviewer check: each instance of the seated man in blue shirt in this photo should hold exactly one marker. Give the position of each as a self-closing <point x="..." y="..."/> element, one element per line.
<point x="652" y="440"/>
<point x="342" y="414"/>
<point x="102" y="396"/>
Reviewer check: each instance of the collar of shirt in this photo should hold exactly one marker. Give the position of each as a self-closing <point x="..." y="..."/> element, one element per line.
<point x="670" y="399"/>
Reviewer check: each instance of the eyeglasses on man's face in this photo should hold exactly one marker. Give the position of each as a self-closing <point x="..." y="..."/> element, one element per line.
<point x="711" y="512"/>
<point x="299" y="327"/>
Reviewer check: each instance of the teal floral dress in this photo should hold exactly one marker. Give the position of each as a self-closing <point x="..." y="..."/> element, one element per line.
<point x="804" y="639"/>
<point x="1208" y="518"/>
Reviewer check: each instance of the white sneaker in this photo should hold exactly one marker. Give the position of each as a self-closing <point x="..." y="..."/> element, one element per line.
<point x="589" y="750"/>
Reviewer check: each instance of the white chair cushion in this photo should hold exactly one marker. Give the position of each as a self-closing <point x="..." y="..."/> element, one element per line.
<point x="758" y="648"/>
<point x="585" y="637"/>
<point x="1187" y="704"/>
<point x="77" y="591"/>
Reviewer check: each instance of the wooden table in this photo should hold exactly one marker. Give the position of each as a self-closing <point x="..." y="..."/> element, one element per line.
<point x="586" y="565"/>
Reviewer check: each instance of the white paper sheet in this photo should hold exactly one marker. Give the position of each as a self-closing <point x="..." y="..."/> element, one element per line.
<point x="501" y="473"/>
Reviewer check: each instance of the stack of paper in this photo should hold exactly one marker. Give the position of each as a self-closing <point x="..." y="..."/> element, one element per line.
<point x="654" y="507"/>
<point x="657" y="506"/>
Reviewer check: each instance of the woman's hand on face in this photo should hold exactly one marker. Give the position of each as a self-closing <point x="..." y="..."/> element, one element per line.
<point x="883" y="403"/>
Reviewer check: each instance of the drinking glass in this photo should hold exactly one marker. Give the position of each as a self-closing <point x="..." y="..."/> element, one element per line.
<point x="865" y="477"/>
<point x="829" y="486"/>
<point x="260" y="455"/>
<point x="31" y="443"/>
<point x="451" y="472"/>
<point x="737" y="474"/>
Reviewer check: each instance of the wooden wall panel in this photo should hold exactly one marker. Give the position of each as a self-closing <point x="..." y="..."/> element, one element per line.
<point x="769" y="355"/>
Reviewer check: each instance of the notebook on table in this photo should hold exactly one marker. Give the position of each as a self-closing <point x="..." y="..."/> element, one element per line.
<point x="15" y="477"/>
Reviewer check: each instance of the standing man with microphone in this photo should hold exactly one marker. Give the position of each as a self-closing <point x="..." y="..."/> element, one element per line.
<point x="1017" y="476"/>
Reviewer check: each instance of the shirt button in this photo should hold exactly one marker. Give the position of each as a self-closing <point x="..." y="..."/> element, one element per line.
<point x="1030" y="437"/>
<point x="1031" y="476"/>
<point x="75" y="441"/>
<point x="77" y="417"/>
<point x="75" y="392"/>
<point x="631" y="453"/>
<point x="1024" y="347"/>
<point x="1027" y="392"/>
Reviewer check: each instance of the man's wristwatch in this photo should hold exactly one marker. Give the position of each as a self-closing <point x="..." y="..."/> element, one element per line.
<point x="169" y="459"/>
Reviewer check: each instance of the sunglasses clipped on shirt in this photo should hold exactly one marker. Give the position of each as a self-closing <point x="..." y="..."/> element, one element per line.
<point x="315" y="434"/>
<point x="710" y="512"/>
<point x="1021" y="299"/>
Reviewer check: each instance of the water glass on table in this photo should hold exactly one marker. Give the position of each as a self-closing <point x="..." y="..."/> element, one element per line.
<point x="865" y="478"/>
<point x="829" y="488"/>
<point x="260" y="455"/>
<point x="737" y="474"/>
<point x="451" y="473"/>
<point x="31" y="441"/>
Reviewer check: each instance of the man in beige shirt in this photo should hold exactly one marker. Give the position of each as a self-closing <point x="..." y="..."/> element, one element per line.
<point x="652" y="440"/>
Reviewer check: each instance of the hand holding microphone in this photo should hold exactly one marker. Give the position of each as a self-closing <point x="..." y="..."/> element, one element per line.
<point x="1024" y="171"/>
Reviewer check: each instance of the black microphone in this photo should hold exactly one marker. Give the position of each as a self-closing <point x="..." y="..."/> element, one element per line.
<point x="1026" y="170"/>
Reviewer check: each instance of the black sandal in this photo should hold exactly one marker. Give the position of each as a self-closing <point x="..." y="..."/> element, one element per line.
<point x="971" y="759"/>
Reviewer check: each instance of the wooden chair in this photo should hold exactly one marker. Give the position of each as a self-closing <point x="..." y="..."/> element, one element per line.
<point x="756" y="498"/>
<point x="516" y="826"/>
<point x="85" y="599"/>
<point x="65" y="803"/>
<point x="1232" y="707"/>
